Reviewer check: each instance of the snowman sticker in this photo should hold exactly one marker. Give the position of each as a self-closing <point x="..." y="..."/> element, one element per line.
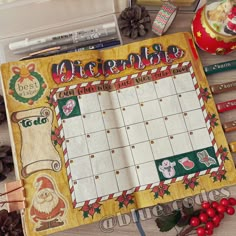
<point x="167" y="169"/>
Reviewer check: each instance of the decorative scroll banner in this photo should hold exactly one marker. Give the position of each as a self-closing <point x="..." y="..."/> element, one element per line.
<point x="40" y="154"/>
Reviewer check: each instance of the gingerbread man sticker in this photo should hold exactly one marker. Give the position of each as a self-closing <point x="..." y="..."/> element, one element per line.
<point x="167" y="169"/>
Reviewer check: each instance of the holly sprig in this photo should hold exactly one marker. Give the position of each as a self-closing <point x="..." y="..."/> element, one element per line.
<point x="202" y="221"/>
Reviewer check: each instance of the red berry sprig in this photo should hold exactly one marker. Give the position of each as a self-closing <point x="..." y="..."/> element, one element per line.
<point x="211" y="215"/>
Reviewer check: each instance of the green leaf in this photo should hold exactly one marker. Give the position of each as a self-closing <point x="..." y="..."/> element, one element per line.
<point x="166" y="223"/>
<point x="121" y="204"/>
<point x="167" y="192"/>
<point x="223" y="177"/>
<point x="186" y="186"/>
<point x="155" y="195"/>
<point x="131" y="201"/>
<point x="97" y="210"/>
<point x="85" y="214"/>
<point x="184" y="221"/>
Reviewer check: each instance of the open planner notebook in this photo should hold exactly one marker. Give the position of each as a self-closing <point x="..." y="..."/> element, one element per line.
<point x="98" y="133"/>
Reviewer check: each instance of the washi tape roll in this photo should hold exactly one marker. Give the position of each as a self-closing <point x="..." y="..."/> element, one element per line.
<point x="164" y="18"/>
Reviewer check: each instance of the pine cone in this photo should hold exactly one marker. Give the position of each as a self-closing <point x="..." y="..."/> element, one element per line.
<point x="2" y="110"/>
<point x="6" y="162"/>
<point x="134" y="21"/>
<point x="10" y="224"/>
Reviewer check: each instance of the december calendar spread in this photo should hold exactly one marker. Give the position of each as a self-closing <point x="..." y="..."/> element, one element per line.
<point x="98" y="133"/>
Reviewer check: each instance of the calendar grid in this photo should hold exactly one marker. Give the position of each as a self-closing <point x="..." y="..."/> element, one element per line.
<point x="144" y="123"/>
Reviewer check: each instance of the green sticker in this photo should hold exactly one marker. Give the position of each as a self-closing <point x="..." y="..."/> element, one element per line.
<point x="69" y="107"/>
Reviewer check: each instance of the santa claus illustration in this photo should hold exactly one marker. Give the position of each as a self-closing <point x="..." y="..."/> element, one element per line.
<point x="48" y="207"/>
<point x="230" y="27"/>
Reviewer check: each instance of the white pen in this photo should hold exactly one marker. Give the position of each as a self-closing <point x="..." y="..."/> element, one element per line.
<point x="75" y="36"/>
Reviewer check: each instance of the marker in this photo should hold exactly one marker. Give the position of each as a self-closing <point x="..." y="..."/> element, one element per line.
<point x="229" y="126"/>
<point x="71" y="48"/>
<point x="224" y="87"/>
<point x="220" y="67"/>
<point x="75" y="36"/>
<point x="226" y="106"/>
<point x="232" y="146"/>
<point x="61" y="42"/>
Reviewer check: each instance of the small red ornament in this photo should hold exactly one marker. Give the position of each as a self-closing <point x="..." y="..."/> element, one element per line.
<point x="210" y="225"/>
<point x="194" y="221"/>
<point x="214" y="204"/>
<point x="211" y="212"/>
<point x="216" y="220"/>
<point x="214" y="27"/>
<point x="205" y="205"/>
<point x="203" y="217"/>
<point x="209" y="232"/>
<point x="221" y="208"/>
<point x="232" y="201"/>
<point x="230" y="210"/>
<point x="201" y="231"/>
<point x="224" y="202"/>
<point x="221" y="215"/>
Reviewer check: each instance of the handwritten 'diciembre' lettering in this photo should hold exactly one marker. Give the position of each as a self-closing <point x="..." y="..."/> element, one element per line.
<point x="67" y="70"/>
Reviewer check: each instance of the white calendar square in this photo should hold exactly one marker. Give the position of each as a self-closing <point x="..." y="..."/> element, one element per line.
<point x="117" y="138"/>
<point x="82" y="192"/>
<point x="127" y="96"/>
<point x="81" y="167"/>
<point x="73" y="143"/>
<point x="146" y="92"/>
<point x="73" y="127"/>
<point x="156" y="128"/>
<point x="89" y="103"/>
<point x="147" y="173"/>
<point x="200" y="138"/>
<point x="106" y="183"/>
<point x="161" y="148"/>
<point x="183" y="83"/>
<point x="189" y="101"/>
<point x="175" y="124"/>
<point x="194" y="119"/>
<point x="132" y="114"/>
<point x="142" y="152"/>
<point x="181" y="143"/>
<point x="97" y="142"/>
<point x="108" y="100"/>
<point x="170" y="105"/>
<point x="151" y="110"/>
<point x="166" y="83"/>
<point x="122" y="157"/>
<point x="101" y="162"/>
<point x="137" y="133"/>
<point x="113" y="118"/>
<point x="90" y="125"/>
<point x="127" y="178"/>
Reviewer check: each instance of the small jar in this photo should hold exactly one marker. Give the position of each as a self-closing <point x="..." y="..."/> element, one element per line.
<point x="214" y="27"/>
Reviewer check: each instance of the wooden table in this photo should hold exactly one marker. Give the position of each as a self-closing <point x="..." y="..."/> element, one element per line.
<point x="228" y="227"/>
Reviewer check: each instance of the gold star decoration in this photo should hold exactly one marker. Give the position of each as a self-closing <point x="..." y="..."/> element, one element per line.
<point x="199" y="34"/>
